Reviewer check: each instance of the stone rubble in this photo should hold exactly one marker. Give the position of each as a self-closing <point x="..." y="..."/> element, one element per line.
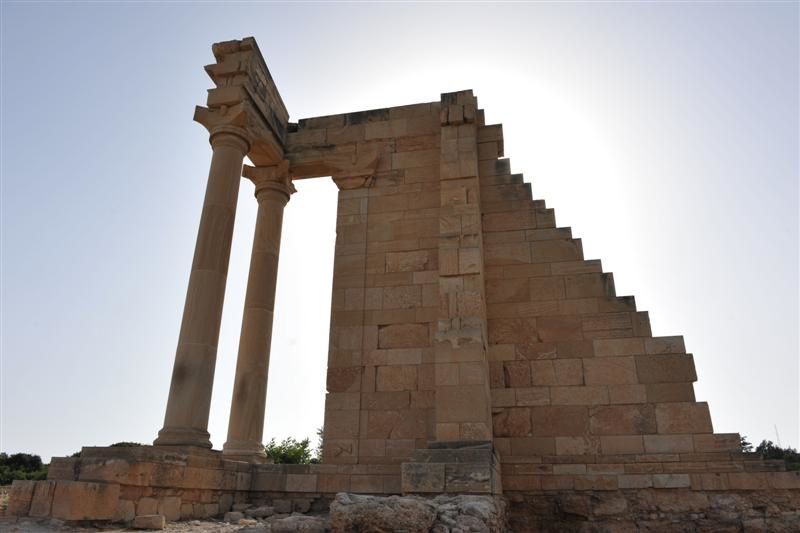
<point x="414" y="514"/>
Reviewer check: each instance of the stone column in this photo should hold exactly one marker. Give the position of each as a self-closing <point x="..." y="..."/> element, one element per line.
<point x="186" y="420"/>
<point x="246" y="423"/>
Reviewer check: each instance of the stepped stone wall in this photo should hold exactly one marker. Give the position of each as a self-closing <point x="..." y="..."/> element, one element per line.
<point x="473" y="348"/>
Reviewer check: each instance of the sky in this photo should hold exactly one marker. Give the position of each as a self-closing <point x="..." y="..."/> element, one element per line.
<point x="665" y="134"/>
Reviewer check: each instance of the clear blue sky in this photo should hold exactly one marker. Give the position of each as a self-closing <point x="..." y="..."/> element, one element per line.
<point x="665" y="134"/>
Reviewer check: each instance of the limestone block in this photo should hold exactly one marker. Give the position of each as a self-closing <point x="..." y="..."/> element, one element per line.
<point x="147" y="506"/>
<point x="668" y="444"/>
<point x="153" y="521"/>
<point x="670" y="392"/>
<point x="517" y="373"/>
<point x="546" y="289"/>
<point x="42" y="501"/>
<point x="618" y="347"/>
<point x="635" y="481"/>
<point x="559" y="421"/>
<point x="20" y="496"/>
<point x="403" y="336"/>
<point x="683" y="418"/>
<point x="605" y="321"/>
<point x="666" y="368"/>
<point x="396" y="378"/>
<point x="301" y="482"/>
<point x="532" y="446"/>
<point x="509" y="331"/>
<point x="473" y="478"/>
<point x="126" y="511"/>
<point x="587" y="285"/>
<point x="671" y="481"/>
<point x="463" y="403"/>
<point x="422" y="477"/>
<point x="610" y="371"/>
<point x="505" y="254"/>
<point x="717" y="442"/>
<point x="579" y="395"/>
<point x="577" y="446"/>
<point x="170" y="507"/>
<point x="627" y="394"/>
<point x="78" y="500"/>
<point x="341" y="424"/>
<point x="532" y="396"/>
<point x="559" y="328"/>
<point x="556" y="251"/>
<point x="621" y="444"/>
<point x="622" y="419"/>
<point x="661" y="345"/>
<point x="402" y="297"/>
<point x="344" y="379"/>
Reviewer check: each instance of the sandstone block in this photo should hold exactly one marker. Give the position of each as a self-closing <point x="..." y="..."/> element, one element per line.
<point x="559" y="328"/>
<point x="153" y="521"/>
<point x="621" y="444"/>
<point x="517" y="373"/>
<point x="532" y="396"/>
<point x="668" y="444"/>
<point x="42" y="500"/>
<point x="170" y="507"/>
<point x="78" y="500"/>
<point x="147" y="506"/>
<point x="610" y="371"/>
<point x="126" y="511"/>
<point x="423" y="477"/>
<point x="683" y="418"/>
<point x="618" y="347"/>
<point x="666" y="368"/>
<point x="627" y="394"/>
<point x="670" y="392"/>
<point x="622" y="419"/>
<point x="20" y="496"/>
<point x="671" y="481"/>
<point x="579" y="395"/>
<point x="512" y="422"/>
<point x="403" y="336"/>
<point x="396" y="378"/>
<point x="559" y="421"/>
<point x="661" y="345"/>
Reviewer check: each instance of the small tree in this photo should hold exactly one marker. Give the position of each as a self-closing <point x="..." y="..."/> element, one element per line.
<point x="769" y="450"/>
<point x="289" y="451"/>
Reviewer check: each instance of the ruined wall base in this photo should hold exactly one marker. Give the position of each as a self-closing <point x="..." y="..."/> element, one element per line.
<point x="662" y="510"/>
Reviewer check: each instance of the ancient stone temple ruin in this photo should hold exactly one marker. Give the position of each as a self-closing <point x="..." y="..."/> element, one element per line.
<point x="473" y="348"/>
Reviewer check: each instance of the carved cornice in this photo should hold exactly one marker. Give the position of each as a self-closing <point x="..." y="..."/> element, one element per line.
<point x="245" y="96"/>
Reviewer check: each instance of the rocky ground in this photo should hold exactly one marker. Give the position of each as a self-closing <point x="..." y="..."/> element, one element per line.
<point x="348" y="512"/>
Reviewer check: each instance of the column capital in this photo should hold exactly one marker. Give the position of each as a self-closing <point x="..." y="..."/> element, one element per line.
<point x="272" y="178"/>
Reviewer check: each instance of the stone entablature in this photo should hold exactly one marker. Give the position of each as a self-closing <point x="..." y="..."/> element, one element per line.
<point x="473" y="348"/>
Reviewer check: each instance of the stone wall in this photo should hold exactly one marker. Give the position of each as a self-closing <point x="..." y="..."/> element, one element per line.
<point x="655" y="510"/>
<point x="379" y="406"/>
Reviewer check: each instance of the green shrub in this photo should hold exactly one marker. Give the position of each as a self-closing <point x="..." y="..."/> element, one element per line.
<point x="769" y="450"/>
<point x="21" y="466"/>
<point x="290" y="451"/>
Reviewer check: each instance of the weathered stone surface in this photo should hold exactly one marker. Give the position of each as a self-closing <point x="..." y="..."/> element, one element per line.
<point x="19" y="500"/>
<point x="78" y="500"/>
<point x="149" y="521"/>
<point x="351" y="512"/>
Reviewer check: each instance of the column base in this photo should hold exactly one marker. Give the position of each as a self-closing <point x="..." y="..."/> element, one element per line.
<point x="245" y="451"/>
<point x="183" y="437"/>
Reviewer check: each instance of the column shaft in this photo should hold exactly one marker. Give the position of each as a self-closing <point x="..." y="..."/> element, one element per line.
<point x="248" y="405"/>
<point x="186" y="419"/>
